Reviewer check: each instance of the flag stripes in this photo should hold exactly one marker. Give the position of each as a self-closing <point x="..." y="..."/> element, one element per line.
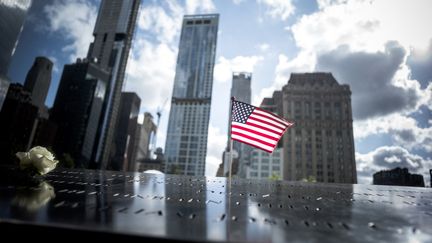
<point x="256" y="127"/>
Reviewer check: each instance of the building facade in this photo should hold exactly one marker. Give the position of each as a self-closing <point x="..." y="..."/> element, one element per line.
<point x="4" y="85"/>
<point x="398" y="177"/>
<point x="186" y="143"/>
<point x="145" y="133"/>
<point x="265" y="165"/>
<point x="38" y="80"/>
<point x="321" y="143"/>
<point x="77" y="110"/>
<point x="241" y="90"/>
<point x="13" y="14"/>
<point x="127" y="125"/>
<point x="113" y="33"/>
<point x="17" y="119"/>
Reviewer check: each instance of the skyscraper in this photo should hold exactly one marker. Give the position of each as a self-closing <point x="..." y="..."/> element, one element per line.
<point x="113" y="34"/>
<point x="186" y="143"/>
<point x="77" y="110"/>
<point x="321" y="143"/>
<point x="126" y="132"/>
<point x="17" y="119"/>
<point x="241" y="90"/>
<point x="38" y="80"/>
<point x="13" y="14"/>
<point x="4" y="85"/>
<point x="87" y="102"/>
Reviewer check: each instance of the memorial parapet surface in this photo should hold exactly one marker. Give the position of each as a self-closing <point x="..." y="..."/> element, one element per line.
<point x="170" y="207"/>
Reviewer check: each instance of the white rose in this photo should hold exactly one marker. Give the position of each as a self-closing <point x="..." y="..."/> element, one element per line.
<point x="39" y="158"/>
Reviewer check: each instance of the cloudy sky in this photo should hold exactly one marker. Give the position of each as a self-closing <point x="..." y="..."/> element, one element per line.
<point x="382" y="49"/>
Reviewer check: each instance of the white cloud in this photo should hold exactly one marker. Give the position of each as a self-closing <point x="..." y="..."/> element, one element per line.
<point x="365" y="25"/>
<point x="420" y="63"/>
<point x="163" y="23"/>
<point x="302" y="63"/>
<point x="263" y="47"/>
<point x="237" y="2"/>
<point x="75" y="22"/>
<point x="379" y="81"/>
<point x="164" y="20"/>
<point x="225" y="67"/>
<point x="21" y="4"/>
<point x="384" y="158"/>
<point x="216" y="144"/>
<point x="199" y="6"/>
<point x="361" y="26"/>
<point x="281" y="9"/>
<point x="405" y="131"/>
<point x="150" y="72"/>
<point x="54" y="60"/>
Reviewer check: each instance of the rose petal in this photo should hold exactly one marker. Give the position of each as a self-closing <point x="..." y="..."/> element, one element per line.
<point x="39" y="151"/>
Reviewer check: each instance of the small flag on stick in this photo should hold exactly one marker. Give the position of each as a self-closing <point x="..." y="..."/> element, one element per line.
<point x="256" y="127"/>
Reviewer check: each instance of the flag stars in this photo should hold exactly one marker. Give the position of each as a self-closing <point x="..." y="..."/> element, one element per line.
<point x="241" y="112"/>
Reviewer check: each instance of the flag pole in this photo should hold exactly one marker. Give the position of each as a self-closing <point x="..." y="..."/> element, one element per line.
<point x="230" y="160"/>
<point x="231" y="145"/>
<point x="230" y="169"/>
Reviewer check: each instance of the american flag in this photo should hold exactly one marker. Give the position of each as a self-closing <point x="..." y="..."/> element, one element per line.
<point x="256" y="127"/>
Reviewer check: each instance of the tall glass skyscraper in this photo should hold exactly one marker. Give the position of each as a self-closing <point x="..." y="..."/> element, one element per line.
<point x="113" y="35"/>
<point x="186" y="142"/>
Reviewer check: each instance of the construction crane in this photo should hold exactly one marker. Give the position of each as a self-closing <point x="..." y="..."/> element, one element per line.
<point x="159" y="114"/>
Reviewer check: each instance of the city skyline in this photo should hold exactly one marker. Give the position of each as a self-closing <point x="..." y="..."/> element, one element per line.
<point x="388" y="69"/>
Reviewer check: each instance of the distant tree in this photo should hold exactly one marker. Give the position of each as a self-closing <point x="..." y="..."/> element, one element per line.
<point x="275" y="177"/>
<point x="309" y="179"/>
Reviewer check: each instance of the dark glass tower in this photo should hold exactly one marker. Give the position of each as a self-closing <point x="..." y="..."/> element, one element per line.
<point x="17" y="119"/>
<point x="38" y="80"/>
<point x="113" y="34"/>
<point x="186" y="143"/>
<point x="126" y="132"/>
<point x="77" y="109"/>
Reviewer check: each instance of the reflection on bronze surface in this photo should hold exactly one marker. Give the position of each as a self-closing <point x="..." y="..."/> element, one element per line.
<point x="33" y="198"/>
